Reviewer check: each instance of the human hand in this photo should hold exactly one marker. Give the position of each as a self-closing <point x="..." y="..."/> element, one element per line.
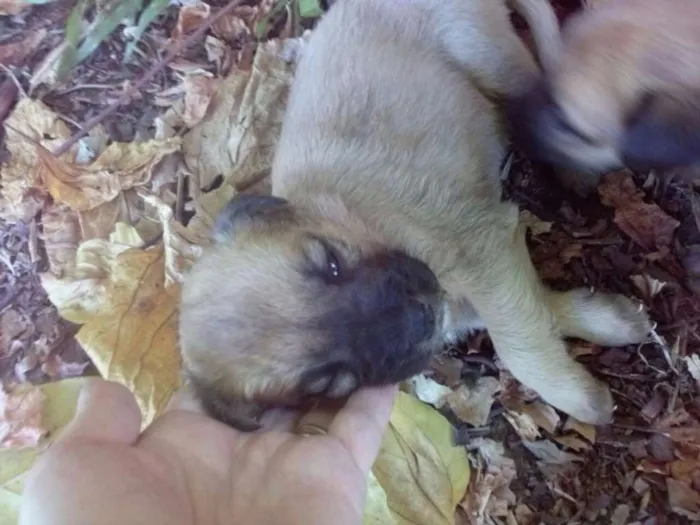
<point x="187" y="469"/>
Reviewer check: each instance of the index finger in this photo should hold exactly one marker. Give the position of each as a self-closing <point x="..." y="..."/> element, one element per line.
<point x="361" y="423"/>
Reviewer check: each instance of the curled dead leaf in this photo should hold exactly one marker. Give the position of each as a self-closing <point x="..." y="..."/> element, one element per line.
<point x="189" y="18"/>
<point x="646" y="224"/>
<point x="120" y="167"/>
<point x="61" y="239"/>
<point x="429" y="391"/>
<point x="21" y="422"/>
<point x="238" y="137"/>
<point x="199" y="91"/>
<point x="534" y="223"/>
<point x="472" y="404"/>
<point x="20" y="178"/>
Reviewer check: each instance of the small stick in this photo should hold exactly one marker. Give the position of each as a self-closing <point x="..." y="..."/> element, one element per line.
<point x="126" y="96"/>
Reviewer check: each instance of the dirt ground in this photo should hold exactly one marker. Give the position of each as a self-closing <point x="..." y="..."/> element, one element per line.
<point x="625" y="475"/>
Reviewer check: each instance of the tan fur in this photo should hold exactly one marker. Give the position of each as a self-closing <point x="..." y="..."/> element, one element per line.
<point x="390" y="141"/>
<point x="610" y="57"/>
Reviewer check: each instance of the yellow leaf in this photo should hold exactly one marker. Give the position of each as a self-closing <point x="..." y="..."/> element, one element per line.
<point x="60" y="400"/>
<point x="377" y="510"/>
<point x="423" y="475"/>
<point x="121" y="166"/>
<point x="20" y="178"/>
<point x="133" y="340"/>
<point x="129" y="318"/>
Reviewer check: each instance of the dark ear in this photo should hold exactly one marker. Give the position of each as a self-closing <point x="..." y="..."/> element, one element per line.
<point x="663" y="133"/>
<point x="242" y="211"/>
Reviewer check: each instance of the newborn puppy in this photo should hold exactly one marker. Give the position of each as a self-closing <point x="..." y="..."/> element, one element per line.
<point x="621" y="88"/>
<point x="386" y="236"/>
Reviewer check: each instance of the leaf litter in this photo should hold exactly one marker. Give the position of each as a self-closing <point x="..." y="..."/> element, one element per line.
<point x="109" y="228"/>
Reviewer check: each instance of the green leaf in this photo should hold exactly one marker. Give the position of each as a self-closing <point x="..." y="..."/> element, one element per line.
<point x="310" y="8"/>
<point x="155" y="8"/>
<point x="73" y="36"/>
<point x="106" y="25"/>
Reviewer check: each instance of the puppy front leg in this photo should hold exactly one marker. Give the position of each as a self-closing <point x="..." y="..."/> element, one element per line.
<point x="502" y="284"/>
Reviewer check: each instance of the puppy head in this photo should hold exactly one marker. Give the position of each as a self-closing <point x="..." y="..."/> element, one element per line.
<point x="289" y="305"/>
<point x="625" y="90"/>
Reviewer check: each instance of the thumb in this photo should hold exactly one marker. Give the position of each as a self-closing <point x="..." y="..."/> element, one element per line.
<point x="106" y="411"/>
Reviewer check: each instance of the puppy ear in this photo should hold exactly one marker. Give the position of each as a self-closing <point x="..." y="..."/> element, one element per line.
<point x="663" y="133"/>
<point x="242" y="211"/>
<point x="236" y="413"/>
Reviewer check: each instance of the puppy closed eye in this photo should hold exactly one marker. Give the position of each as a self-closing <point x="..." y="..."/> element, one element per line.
<point x="325" y="260"/>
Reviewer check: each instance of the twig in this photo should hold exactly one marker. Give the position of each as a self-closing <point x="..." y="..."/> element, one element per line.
<point x="14" y="79"/>
<point x="136" y="87"/>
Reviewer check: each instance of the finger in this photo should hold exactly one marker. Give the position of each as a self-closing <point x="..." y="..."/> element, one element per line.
<point x="361" y="423"/>
<point x="106" y="411"/>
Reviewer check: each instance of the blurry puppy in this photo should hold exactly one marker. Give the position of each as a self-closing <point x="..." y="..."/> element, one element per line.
<point x="621" y="88"/>
<point x="386" y="233"/>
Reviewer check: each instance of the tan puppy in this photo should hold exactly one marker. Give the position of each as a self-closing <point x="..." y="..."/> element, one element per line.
<point x="623" y="88"/>
<point x="386" y="232"/>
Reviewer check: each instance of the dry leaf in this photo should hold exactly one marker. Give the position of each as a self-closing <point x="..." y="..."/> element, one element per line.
<point x="586" y="430"/>
<point x="129" y="319"/>
<point x="549" y="453"/>
<point x="189" y="18"/>
<point x="120" y="167"/>
<point x="523" y="424"/>
<point x="489" y="492"/>
<point x="422" y="474"/>
<point x="58" y="407"/>
<point x="543" y="415"/>
<point x="239" y="135"/>
<point x="231" y="28"/>
<point x="574" y="443"/>
<point x="182" y="247"/>
<point x="206" y="207"/>
<point x="20" y="179"/>
<point x="682" y="499"/>
<point x="199" y="91"/>
<point x="534" y="223"/>
<point x="13" y="7"/>
<point x="646" y="224"/>
<point x="61" y="239"/>
<point x="646" y="284"/>
<point x="473" y="404"/>
<point x="693" y="364"/>
<point x="21" y="423"/>
<point x="429" y="391"/>
<point x="14" y="53"/>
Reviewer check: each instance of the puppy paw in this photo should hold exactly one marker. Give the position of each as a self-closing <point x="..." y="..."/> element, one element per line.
<point x="606" y="319"/>
<point x="332" y="383"/>
<point x="590" y="403"/>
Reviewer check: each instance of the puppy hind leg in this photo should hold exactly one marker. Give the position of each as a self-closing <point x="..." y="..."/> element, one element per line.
<point x="478" y="36"/>
<point x="505" y="289"/>
<point x="602" y="318"/>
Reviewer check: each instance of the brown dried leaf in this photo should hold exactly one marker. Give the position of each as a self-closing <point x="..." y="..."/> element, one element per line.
<point x="646" y="224"/>
<point x="56" y="368"/>
<point x="543" y="415"/>
<point x="231" y="28"/>
<point x="682" y="499"/>
<point x="14" y="53"/>
<point x="12" y="7"/>
<point x="473" y="405"/>
<point x="120" y="167"/>
<point x="21" y="422"/>
<point x="20" y="179"/>
<point x="239" y="135"/>
<point x="429" y="391"/>
<point x="61" y="238"/>
<point x="489" y="491"/>
<point x="190" y="18"/>
<point x="199" y="92"/>
<point x="646" y="284"/>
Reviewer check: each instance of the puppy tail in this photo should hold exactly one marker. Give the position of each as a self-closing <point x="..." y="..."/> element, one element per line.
<point x="544" y="25"/>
